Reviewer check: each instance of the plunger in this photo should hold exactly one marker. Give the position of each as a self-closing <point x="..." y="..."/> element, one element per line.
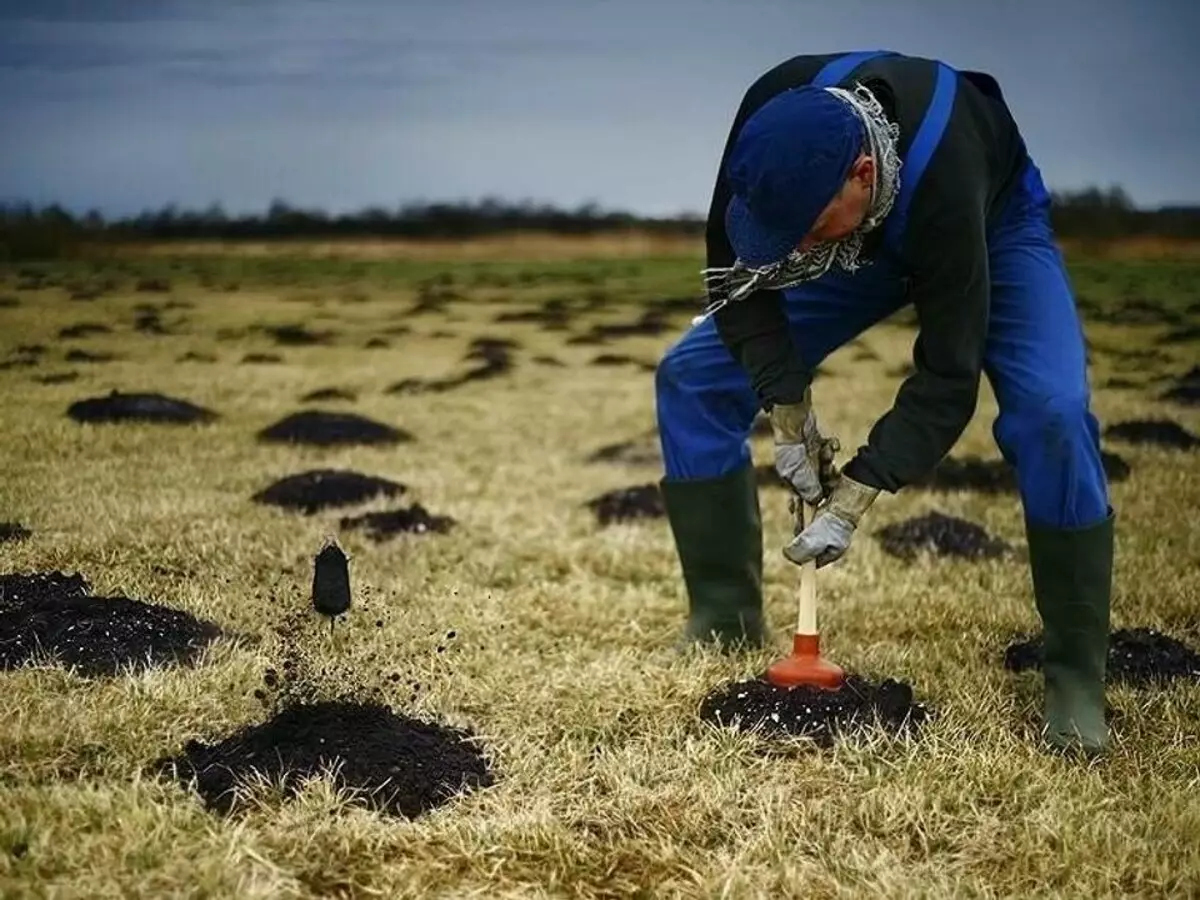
<point x="806" y="666"/>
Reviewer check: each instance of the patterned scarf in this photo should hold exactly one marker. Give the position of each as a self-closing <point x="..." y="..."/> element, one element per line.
<point x="728" y="284"/>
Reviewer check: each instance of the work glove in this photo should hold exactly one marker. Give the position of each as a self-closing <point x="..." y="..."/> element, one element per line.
<point x="827" y="537"/>
<point x="803" y="457"/>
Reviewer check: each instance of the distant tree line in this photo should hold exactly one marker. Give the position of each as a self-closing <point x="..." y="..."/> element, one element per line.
<point x="27" y="232"/>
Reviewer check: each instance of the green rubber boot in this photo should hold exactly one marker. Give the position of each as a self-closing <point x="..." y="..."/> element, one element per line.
<point x="1072" y="583"/>
<point x="717" y="525"/>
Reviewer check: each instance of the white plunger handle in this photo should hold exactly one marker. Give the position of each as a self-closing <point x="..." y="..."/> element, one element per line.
<point x="807" y="623"/>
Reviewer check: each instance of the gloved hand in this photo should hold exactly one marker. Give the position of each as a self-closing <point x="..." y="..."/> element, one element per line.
<point x="803" y="458"/>
<point x="827" y="537"/>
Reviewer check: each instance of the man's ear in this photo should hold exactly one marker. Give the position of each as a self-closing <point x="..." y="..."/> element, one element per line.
<point x="864" y="169"/>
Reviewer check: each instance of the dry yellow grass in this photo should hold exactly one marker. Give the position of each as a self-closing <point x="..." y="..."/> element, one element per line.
<point x="609" y="786"/>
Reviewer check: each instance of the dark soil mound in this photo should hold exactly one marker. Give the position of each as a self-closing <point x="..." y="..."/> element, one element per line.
<point x="54" y="614"/>
<point x="13" y="531"/>
<point x="1187" y="390"/>
<point x="995" y="476"/>
<point x="57" y="378"/>
<point x="261" y="358"/>
<point x="757" y="705"/>
<point x="549" y="361"/>
<point x="620" y="359"/>
<point x="323" y="428"/>
<point x="632" y="453"/>
<point x="1159" y="432"/>
<point x="387" y="762"/>
<point x="494" y="359"/>
<point x="193" y="356"/>
<point x="377" y="343"/>
<point x="323" y="394"/>
<point x="555" y="315"/>
<point x="83" y="329"/>
<point x="415" y="520"/>
<point x="942" y="535"/>
<point x="297" y="335"/>
<point x="642" y="501"/>
<point x="118" y="407"/>
<point x="320" y="489"/>
<point x="83" y="356"/>
<point x="1136" y="656"/>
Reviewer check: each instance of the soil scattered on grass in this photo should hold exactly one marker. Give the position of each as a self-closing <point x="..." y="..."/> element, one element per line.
<point x="55" y="614"/>
<point x="13" y="531"/>
<point x="317" y="489"/>
<point x="388" y="762"/>
<point x="138" y="407"/>
<point x="1158" y="432"/>
<point x="83" y="329"/>
<point x="416" y="519"/>
<point x="643" y="501"/>
<point x="322" y="395"/>
<point x="324" y="428"/>
<point x="821" y="715"/>
<point x="554" y="315"/>
<point x="1186" y="390"/>
<point x="995" y="476"/>
<point x="1137" y="656"/>
<point x="941" y="535"/>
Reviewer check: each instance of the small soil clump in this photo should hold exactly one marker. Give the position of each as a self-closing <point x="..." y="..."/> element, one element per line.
<point x="324" y="428"/>
<point x="642" y="501"/>
<point x="821" y="715"/>
<point x="331" y="581"/>
<point x="322" y="395"/>
<point x="1186" y="390"/>
<point x="83" y="356"/>
<point x="139" y="407"/>
<point x="416" y="519"/>
<point x="1157" y="432"/>
<point x="83" y="329"/>
<point x="388" y="762"/>
<point x="1136" y="656"/>
<point x="54" y="614"/>
<point x="13" y="531"/>
<point x="317" y="489"/>
<point x="942" y="535"/>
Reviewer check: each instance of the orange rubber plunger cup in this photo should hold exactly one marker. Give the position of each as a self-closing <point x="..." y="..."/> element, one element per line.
<point x="806" y="666"/>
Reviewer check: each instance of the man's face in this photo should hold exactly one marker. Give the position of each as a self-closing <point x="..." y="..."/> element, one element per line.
<point x="847" y="210"/>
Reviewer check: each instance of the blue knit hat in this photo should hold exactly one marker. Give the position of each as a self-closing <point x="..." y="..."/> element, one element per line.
<point x="790" y="159"/>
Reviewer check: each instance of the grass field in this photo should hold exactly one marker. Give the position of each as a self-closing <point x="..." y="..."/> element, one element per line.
<point x="562" y="661"/>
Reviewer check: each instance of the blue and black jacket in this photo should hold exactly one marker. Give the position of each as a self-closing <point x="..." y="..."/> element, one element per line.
<point x="967" y="175"/>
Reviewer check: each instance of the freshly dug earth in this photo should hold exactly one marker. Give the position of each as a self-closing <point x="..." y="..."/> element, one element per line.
<point x="1136" y="656"/>
<point x="139" y="407"/>
<point x="323" y="394"/>
<point x="814" y="713"/>
<point x="324" y="428"/>
<point x="387" y="762"/>
<point x="54" y="614"/>
<point x="1159" y="432"/>
<point x="643" y="501"/>
<point x="416" y="519"/>
<point x="1186" y="390"/>
<point x="940" y="534"/>
<point x="13" y="531"/>
<point x="995" y="476"/>
<point x="319" y="489"/>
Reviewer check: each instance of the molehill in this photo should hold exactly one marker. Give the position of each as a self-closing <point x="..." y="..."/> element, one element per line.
<point x="941" y="535"/>
<point x="54" y="614"/>
<point x="324" y="428"/>
<point x="821" y="715"/>
<point x="385" y="761"/>
<point x="138" y="407"/>
<point x="1136" y="656"/>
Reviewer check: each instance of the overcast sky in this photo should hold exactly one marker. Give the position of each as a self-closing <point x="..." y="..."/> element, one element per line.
<point x="132" y="104"/>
